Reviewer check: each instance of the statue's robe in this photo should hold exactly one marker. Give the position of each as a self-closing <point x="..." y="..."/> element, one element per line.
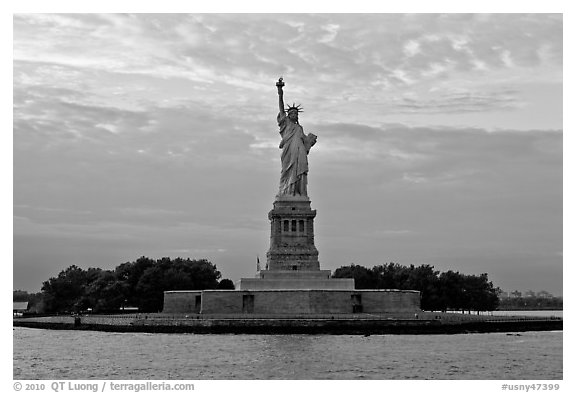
<point x="295" y="146"/>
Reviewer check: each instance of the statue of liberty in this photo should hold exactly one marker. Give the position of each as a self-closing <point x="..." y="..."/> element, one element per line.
<point x="295" y="147"/>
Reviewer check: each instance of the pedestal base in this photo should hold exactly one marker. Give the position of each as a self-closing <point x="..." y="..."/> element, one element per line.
<point x="292" y="235"/>
<point x="292" y="302"/>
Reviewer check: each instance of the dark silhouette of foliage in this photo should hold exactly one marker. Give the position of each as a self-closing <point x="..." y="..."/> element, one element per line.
<point x="130" y="273"/>
<point x="141" y="284"/>
<point x="439" y="291"/>
<point x="65" y="293"/>
<point x="20" y="296"/>
<point x="106" y="293"/>
<point x="363" y="277"/>
<point x="225" y="284"/>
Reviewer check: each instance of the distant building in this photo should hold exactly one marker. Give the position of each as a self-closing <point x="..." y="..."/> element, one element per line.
<point x="19" y="308"/>
<point x="544" y="294"/>
<point x="518" y="294"/>
<point x="129" y="308"/>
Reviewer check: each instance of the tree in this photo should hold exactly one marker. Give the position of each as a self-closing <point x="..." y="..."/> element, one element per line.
<point x="425" y="279"/>
<point x="20" y="296"/>
<point x="225" y="284"/>
<point x="179" y="274"/>
<point x="65" y="293"/>
<point x="481" y="294"/>
<point x="130" y="273"/>
<point x="452" y="292"/>
<point x="106" y="293"/>
<point x="363" y="277"/>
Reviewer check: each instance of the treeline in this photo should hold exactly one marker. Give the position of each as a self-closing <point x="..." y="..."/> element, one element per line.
<point x="132" y="284"/>
<point x="531" y="303"/>
<point x="439" y="291"/>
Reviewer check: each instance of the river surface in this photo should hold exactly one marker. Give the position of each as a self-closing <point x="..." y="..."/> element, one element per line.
<point x="60" y="354"/>
<point x="531" y="313"/>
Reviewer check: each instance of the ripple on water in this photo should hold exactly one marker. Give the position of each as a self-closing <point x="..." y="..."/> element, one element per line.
<point x="46" y="354"/>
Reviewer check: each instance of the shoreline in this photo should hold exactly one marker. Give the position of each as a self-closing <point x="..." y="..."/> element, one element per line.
<point x="530" y="309"/>
<point x="349" y="324"/>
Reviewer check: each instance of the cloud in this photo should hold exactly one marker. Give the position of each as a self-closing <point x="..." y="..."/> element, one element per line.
<point x="332" y="32"/>
<point x="353" y="57"/>
<point x="140" y="134"/>
<point x="411" y="48"/>
<point x="457" y="102"/>
<point x="153" y="42"/>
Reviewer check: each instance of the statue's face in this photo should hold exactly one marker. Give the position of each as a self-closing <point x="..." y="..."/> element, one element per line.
<point x="293" y="115"/>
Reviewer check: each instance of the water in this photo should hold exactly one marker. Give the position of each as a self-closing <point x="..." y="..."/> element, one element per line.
<point x="56" y="354"/>
<point x="525" y="313"/>
<point x="531" y="313"/>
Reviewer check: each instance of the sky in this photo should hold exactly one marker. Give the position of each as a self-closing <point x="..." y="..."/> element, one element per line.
<point x="439" y="140"/>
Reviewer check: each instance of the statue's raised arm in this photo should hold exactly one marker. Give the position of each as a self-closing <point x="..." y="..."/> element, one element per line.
<point x="280" y="85"/>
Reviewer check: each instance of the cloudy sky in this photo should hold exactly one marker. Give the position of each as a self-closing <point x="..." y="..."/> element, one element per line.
<point x="439" y="140"/>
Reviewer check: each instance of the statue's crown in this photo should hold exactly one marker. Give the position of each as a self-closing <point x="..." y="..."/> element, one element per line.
<point x="294" y="107"/>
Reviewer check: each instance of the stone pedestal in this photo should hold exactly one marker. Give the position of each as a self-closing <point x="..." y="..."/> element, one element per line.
<point x="292" y="235"/>
<point x="292" y="261"/>
<point x="294" y="279"/>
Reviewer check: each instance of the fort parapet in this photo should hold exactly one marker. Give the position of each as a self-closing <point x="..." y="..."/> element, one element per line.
<point x="288" y="302"/>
